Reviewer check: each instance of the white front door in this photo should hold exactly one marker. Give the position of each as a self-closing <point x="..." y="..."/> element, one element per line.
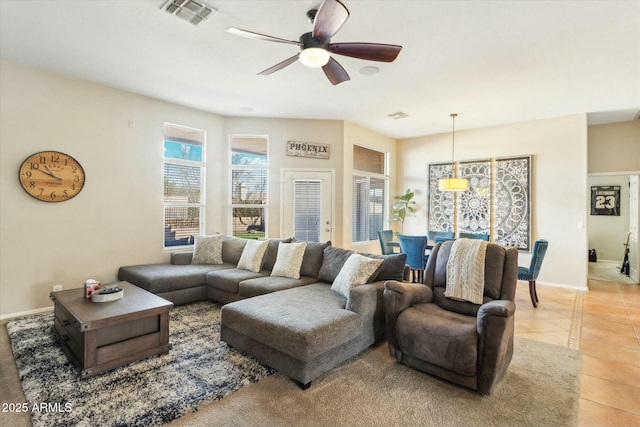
<point x="307" y="208"/>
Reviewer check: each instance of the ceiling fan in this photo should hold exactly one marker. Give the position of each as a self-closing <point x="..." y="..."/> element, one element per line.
<point x="316" y="47"/>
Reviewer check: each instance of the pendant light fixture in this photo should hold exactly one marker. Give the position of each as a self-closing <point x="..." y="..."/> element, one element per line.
<point x="453" y="183"/>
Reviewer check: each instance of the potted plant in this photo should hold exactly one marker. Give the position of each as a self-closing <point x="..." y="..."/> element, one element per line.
<point x="403" y="205"/>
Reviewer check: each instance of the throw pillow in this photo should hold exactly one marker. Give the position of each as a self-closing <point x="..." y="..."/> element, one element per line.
<point x="208" y="249"/>
<point x="272" y="252"/>
<point x="355" y="272"/>
<point x="332" y="261"/>
<point x="313" y="258"/>
<point x="289" y="260"/>
<point x="252" y="255"/>
<point x="392" y="267"/>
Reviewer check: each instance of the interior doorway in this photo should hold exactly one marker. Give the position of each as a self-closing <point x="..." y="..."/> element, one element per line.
<point x="607" y="234"/>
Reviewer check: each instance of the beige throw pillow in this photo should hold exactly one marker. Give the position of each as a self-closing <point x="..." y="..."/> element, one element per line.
<point x="356" y="271"/>
<point x="289" y="260"/>
<point x="252" y="255"/>
<point x="208" y="249"/>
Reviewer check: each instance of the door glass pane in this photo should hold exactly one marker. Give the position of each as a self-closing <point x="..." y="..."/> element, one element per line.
<point x="306" y="210"/>
<point x="359" y="216"/>
<point x="376" y="206"/>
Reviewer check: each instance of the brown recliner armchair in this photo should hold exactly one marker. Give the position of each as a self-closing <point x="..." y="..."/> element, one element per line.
<point x="465" y="343"/>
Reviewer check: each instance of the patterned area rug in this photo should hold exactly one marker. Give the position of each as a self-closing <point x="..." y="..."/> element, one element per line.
<point x="199" y="368"/>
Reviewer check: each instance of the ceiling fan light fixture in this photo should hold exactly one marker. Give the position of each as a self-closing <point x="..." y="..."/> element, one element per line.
<point x="314" y="57"/>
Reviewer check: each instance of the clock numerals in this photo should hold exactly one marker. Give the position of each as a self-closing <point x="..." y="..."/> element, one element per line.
<point x="51" y="176"/>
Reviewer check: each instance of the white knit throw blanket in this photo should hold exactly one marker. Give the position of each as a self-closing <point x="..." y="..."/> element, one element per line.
<point x="465" y="270"/>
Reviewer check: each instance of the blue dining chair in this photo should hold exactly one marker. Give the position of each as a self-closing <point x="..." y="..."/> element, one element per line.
<point x="481" y="236"/>
<point x="443" y="235"/>
<point x="414" y="247"/>
<point x="385" y="236"/>
<point x="531" y="274"/>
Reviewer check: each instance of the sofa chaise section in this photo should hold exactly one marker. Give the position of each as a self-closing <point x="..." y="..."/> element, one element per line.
<point x="177" y="282"/>
<point x="302" y="332"/>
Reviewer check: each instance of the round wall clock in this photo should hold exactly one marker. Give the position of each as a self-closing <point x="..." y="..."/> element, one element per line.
<point x="51" y="176"/>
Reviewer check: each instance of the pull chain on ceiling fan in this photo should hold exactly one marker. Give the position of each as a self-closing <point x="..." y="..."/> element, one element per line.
<point x="316" y="47"/>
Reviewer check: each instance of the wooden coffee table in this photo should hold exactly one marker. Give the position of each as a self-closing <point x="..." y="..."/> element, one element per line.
<point x="97" y="337"/>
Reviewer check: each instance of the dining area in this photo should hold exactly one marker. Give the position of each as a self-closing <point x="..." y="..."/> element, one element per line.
<point x="418" y="247"/>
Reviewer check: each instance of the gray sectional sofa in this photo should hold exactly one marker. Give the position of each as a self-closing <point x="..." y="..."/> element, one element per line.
<point x="299" y="326"/>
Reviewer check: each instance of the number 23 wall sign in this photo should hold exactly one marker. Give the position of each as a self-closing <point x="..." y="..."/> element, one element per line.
<point x="605" y="200"/>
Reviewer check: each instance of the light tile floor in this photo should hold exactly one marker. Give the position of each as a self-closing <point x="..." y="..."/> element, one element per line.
<point x="606" y="329"/>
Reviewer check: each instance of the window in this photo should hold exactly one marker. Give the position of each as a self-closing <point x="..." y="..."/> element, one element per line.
<point x="249" y="185"/>
<point x="369" y="189"/>
<point x="184" y="172"/>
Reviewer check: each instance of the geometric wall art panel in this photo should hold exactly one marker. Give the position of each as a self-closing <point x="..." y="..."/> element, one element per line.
<point x="441" y="212"/>
<point x="474" y="205"/>
<point x="497" y="201"/>
<point x="512" y="201"/>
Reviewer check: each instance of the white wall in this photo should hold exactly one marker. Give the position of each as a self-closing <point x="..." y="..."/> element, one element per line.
<point x="280" y="131"/>
<point x="358" y="135"/>
<point x="559" y="180"/>
<point x="117" y="218"/>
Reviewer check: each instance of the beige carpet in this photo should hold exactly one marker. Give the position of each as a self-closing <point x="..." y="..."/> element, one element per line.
<point x="539" y="389"/>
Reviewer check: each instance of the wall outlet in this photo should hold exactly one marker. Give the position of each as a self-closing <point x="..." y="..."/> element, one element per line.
<point x="56" y="288"/>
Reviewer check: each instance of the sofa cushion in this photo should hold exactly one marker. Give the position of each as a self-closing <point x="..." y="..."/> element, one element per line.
<point x="228" y="280"/>
<point x="392" y="267"/>
<point x="272" y="252"/>
<point x="264" y="285"/>
<point x="232" y="248"/>
<point x="302" y="322"/>
<point x="252" y="255"/>
<point x="313" y="255"/>
<point x="208" y="249"/>
<point x="332" y="261"/>
<point x="159" y="278"/>
<point x="289" y="260"/>
<point x="444" y="338"/>
<point x="356" y="271"/>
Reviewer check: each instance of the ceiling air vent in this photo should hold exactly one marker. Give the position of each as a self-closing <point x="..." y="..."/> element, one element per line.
<point x="398" y="115"/>
<point x="188" y="10"/>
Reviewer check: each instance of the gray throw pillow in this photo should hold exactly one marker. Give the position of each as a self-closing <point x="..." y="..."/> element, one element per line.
<point x="392" y="267"/>
<point x="232" y="248"/>
<point x="313" y="256"/>
<point x="332" y="261"/>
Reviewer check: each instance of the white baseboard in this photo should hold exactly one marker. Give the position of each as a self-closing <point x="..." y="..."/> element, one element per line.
<point x="562" y="285"/>
<point x="26" y="313"/>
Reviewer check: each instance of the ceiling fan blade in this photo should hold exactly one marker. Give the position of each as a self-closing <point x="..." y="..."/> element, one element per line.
<point x="330" y="17"/>
<point x="258" y="36"/>
<point x="334" y="72"/>
<point x="370" y="51"/>
<point x="279" y="66"/>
